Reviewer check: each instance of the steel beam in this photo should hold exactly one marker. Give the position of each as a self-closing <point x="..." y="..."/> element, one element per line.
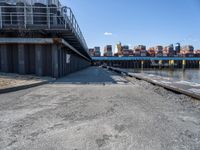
<point x="73" y="49"/>
<point x="41" y="41"/>
<point x="26" y="41"/>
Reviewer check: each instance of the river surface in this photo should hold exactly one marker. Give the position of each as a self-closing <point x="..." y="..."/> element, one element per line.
<point x="191" y="75"/>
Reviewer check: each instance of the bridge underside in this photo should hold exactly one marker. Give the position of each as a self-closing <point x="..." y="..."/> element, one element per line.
<point x="40" y="56"/>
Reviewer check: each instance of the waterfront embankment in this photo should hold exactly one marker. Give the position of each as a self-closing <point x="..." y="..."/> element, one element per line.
<point x="175" y="84"/>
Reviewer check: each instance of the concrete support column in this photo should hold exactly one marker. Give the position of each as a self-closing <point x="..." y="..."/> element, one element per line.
<point x="171" y="64"/>
<point x="142" y="64"/>
<point x="183" y="64"/>
<point x="60" y="61"/>
<point x="21" y="59"/>
<point x="160" y="64"/>
<point x="55" y="70"/>
<point x="4" y="58"/>
<point x="38" y="60"/>
<point x="199" y="64"/>
<point x="137" y="63"/>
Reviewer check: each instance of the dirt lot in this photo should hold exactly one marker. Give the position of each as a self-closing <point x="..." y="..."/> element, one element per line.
<point x="8" y="80"/>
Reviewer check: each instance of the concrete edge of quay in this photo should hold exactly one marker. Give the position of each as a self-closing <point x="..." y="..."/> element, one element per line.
<point x="23" y="87"/>
<point x="168" y="87"/>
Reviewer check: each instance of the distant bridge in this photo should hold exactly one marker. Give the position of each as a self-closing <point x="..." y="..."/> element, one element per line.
<point x="148" y="62"/>
<point x="144" y="58"/>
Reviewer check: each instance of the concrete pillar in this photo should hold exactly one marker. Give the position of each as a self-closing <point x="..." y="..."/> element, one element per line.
<point x="137" y="64"/>
<point x="4" y="58"/>
<point x="199" y="64"/>
<point x="60" y="61"/>
<point x="134" y="65"/>
<point x="183" y="64"/>
<point x="38" y="60"/>
<point x="142" y="64"/>
<point x="160" y="64"/>
<point x="21" y="59"/>
<point x="55" y="72"/>
<point x="171" y="64"/>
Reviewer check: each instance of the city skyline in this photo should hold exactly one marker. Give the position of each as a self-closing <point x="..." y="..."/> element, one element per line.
<point x="121" y="49"/>
<point x="155" y="22"/>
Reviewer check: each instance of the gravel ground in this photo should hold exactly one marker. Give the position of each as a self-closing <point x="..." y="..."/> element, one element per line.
<point x="8" y="80"/>
<point x="96" y="109"/>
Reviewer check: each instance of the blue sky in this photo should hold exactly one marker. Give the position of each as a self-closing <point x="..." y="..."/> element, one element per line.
<point x="133" y="22"/>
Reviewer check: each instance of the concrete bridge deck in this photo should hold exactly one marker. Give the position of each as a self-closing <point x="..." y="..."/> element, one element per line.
<point x="97" y="109"/>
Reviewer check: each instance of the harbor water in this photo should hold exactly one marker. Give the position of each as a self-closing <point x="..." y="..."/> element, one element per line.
<point x="190" y="75"/>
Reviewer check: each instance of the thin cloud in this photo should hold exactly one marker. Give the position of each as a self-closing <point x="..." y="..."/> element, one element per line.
<point x="108" y="34"/>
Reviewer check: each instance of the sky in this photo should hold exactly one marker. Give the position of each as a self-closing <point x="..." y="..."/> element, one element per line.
<point x="134" y="22"/>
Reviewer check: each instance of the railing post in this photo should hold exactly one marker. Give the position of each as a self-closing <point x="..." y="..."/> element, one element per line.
<point x="48" y="17"/>
<point x="71" y="15"/>
<point x="31" y="13"/>
<point x="1" y="21"/>
<point x="25" y="15"/>
<point x="72" y="20"/>
<point x="65" y="17"/>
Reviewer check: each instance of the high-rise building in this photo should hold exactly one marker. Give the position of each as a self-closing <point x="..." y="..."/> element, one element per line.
<point x="177" y="48"/>
<point x="108" y="50"/>
<point x="97" y="51"/>
<point x="125" y="47"/>
<point x="119" y="48"/>
<point x="159" y="50"/>
<point x="91" y="52"/>
<point x="187" y="50"/>
<point x="197" y="53"/>
<point x="125" y="50"/>
<point x="151" y="51"/>
<point x="131" y="52"/>
<point x="140" y="50"/>
<point x="171" y="51"/>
